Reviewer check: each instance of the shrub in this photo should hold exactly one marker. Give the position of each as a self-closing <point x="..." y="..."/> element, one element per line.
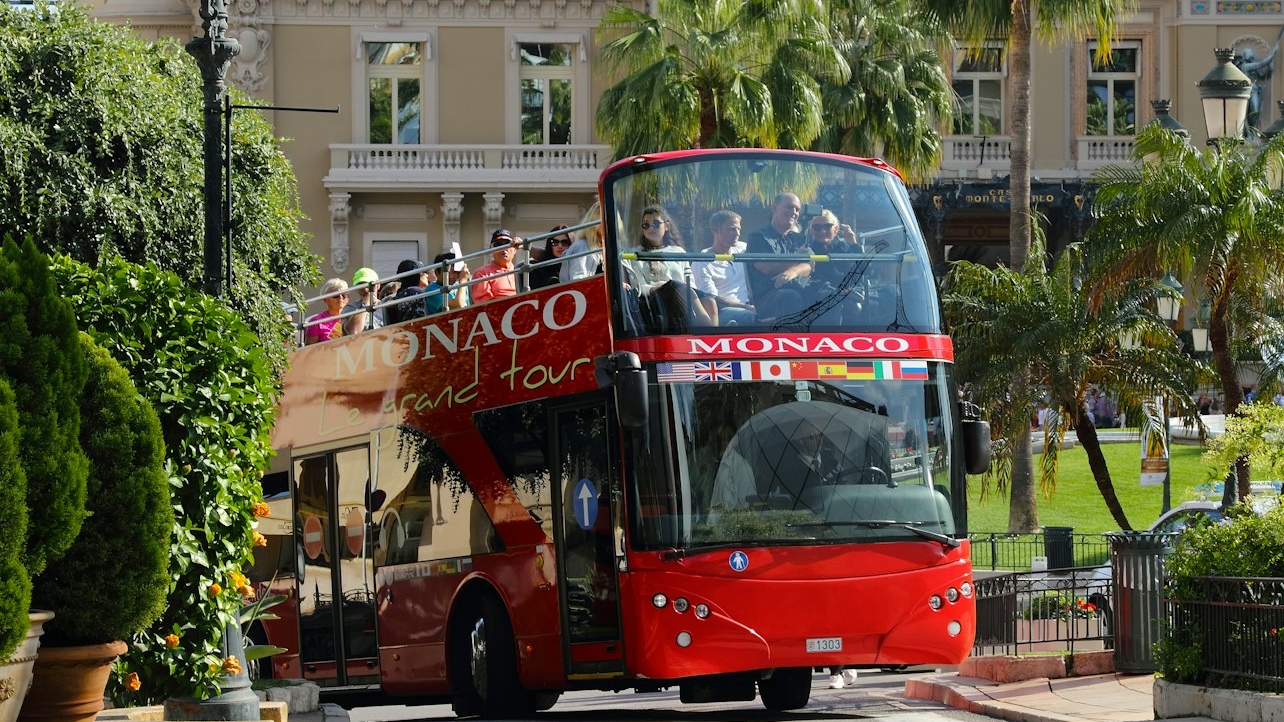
<point x="208" y="377"/>
<point x="41" y="358"/>
<point x="111" y="584"/>
<point x="15" y="587"/>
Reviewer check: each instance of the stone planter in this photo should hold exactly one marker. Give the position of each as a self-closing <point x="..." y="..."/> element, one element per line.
<point x="69" y="682"/>
<point x="15" y="672"/>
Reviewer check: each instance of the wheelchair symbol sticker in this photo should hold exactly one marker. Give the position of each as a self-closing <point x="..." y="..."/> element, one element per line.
<point x="739" y="561"/>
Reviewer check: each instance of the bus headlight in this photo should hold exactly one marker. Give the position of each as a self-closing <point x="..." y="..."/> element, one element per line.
<point x="935" y="602"/>
<point x="966" y="589"/>
<point x="702" y="611"/>
<point x="681" y="605"/>
<point x="659" y="601"/>
<point x="954" y="628"/>
<point x="684" y="639"/>
<point x="951" y="595"/>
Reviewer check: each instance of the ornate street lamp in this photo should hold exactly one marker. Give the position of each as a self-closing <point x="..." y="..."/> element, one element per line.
<point x="1225" y="92"/>
<point x="213" y="54"/>
<point x="1162" y="108"/>
<point x="1169" y="307"/>
<point x="1199" y="334"/>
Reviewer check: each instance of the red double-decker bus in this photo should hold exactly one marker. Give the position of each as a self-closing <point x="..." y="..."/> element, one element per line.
<point x="619" y="482"/>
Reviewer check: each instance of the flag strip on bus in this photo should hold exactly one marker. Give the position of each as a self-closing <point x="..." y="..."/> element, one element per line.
<point x="873" y="370"/>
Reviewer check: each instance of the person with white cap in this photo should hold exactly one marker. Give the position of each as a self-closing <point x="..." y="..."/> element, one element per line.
<point x="365" y="285"/>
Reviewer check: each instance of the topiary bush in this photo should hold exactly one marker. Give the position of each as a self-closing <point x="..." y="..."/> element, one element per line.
<point x="15" y="587"/>
<point x="41" y="358"/>
<point x="112" y="582"/>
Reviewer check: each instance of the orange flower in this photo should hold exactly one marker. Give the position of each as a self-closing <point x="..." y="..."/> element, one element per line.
<point x="232" y="665"/>
<point x="261" y="508"/>
<point x="238" y="579"/>
<point x="246" y="591"/>
<point x="259" y="540"/>
<point x="133" y="683"/>
<point x="215" y="589"/>
<point x="171" y="641"/>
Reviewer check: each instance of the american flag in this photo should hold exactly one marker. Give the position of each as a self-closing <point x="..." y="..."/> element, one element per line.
<point x="713" y="371"/>
<point x="679" y="372"/>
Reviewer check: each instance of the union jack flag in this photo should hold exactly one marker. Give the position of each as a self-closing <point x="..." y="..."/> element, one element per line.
<point x="713" y="371"/>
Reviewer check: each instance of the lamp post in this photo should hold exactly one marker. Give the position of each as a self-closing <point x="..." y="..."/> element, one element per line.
<point x="1164" y="120"/>
<point x="213" y="54"/>
<point x="1169" y="308"/>
<point x="1225" y="92"/>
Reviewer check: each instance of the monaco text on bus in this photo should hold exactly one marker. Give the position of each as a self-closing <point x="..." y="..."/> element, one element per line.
<point x="733" y="454"/>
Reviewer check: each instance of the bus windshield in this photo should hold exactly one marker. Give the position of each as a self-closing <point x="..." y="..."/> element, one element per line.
<point x="823" y="460"/>
<point x="765" y="241"/>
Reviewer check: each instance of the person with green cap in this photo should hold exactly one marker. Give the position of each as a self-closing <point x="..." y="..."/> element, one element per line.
<point x="365" y="289"/>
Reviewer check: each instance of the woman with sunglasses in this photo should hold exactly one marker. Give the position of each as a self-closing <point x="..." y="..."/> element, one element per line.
<point x="325" y="325"/>
<point x="671" y="282"/>
<point x="550" y="267"/>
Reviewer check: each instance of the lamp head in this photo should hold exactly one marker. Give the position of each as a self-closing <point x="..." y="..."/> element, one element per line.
<point x="1225" y="92"/>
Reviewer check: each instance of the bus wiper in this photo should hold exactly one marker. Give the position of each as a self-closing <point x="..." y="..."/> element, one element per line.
<point x="942" y="539"/>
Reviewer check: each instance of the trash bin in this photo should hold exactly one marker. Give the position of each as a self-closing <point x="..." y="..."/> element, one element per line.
<point x="1136" y="617"/>
<point x="1058" y="546"/>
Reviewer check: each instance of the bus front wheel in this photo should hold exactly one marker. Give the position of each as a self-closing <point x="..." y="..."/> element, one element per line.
<point x="492" y="663"/>
<point x="785" y="689"/>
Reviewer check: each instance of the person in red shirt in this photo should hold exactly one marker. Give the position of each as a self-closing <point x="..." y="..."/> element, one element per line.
<point x="497" y="278"/>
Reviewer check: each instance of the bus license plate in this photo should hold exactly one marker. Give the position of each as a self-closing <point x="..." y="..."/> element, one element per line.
<point x="825" y="644"/>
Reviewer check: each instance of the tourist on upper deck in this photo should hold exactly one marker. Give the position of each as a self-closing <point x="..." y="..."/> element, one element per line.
<point x="417" y="285"/>
<point x="456" y="274"/>
<point x="726" y="279"/>
<point x="779" y="285"/>
<point x="834" y="280"/>
<point x="325" y="325"/>
<point x="674" y="280"/>
<point x="579" y="262"/>
<point x="550" y="268"/>
<point x="366" y="281"/>
<point x="500" y="275"/>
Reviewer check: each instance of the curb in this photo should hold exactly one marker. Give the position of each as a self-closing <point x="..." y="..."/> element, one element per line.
<point x="965" y="694"/>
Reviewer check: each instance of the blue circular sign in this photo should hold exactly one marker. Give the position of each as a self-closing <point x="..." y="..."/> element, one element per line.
<point x="739" y="561"/>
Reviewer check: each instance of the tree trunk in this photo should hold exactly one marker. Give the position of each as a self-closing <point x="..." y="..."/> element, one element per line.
<point x="1023" y="512"/>
<point x="1087" y="433"/>
<point x="1219" y="340"/>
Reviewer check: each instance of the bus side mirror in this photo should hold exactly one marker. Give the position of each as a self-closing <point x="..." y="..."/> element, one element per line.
<point x="976" y="438"/>
<point x="623" y="370"/>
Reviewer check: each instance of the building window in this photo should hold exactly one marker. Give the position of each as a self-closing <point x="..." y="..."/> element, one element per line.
<point x="545" y="92"/>
<point x="978" y="83"/>
<point x="1112" y="90"/>
<point x="394" y="72"/>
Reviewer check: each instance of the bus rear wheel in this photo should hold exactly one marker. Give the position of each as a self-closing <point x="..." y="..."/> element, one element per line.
<point x="492" y="664"/>
<point x="788" y="688"/>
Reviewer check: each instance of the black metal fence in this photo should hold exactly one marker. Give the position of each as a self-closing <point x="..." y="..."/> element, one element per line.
<point x="1053" y="548"/>
<point x="1062" y="610"/>
<point x="1226" y="631"/>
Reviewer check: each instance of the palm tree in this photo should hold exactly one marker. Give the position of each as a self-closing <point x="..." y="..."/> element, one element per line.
<point x="1216" y="215"/>
<point x="715" y="73"/>
<point x="898" y="95"/>
<point x="976" y="22"/>
<point x="1067" y="335"/>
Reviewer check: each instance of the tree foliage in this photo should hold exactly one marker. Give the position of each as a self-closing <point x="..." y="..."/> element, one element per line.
<point x="40" y="357"/>
<point x="1068" y="334"/>
<point x="112" y="582"/>
<point x="208" y="376"/>
<point x="1215" y="217"/>
<point x="102" y="134"/>
<point x="15" y="584"/>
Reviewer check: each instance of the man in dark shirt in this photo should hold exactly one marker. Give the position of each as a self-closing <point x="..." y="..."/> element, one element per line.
<point x="779" y="285"/>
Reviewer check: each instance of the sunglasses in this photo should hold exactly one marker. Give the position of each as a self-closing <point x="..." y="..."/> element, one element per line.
<point x="821" y="226"/>
<point x="561" y="241"/>
<point x="648" y="225"/>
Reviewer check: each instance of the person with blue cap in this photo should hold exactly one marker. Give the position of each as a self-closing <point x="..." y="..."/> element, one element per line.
<point x="365" y="289"/>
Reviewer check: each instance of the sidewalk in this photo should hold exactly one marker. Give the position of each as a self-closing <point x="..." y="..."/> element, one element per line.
<point x="1110" y="697"/>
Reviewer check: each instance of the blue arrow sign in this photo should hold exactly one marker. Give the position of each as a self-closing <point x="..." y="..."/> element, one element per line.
<point x="585" y="500"/>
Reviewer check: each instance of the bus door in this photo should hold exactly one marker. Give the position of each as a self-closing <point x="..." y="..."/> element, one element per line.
<point x="588" y="513"/>
<point x="337" y="642"/>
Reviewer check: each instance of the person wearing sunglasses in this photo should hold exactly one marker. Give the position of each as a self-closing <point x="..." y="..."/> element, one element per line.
<point x="825" y="236"/>
<point x="549" y="267"/>
<point x="325" y="325"/>
<point x="672" y="280"/>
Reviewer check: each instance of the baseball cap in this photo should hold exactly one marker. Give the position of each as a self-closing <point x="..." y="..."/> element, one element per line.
<point x="501" y="237"/>
<point x="409" y="265"/>
<point x="364" y="275"/>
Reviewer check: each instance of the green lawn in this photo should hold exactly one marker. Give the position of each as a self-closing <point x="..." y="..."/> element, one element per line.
<point x="1077" y="503"/>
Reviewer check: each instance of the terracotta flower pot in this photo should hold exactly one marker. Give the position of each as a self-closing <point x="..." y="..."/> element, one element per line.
<point x="69" y="682"/>
<point x="15" y="672"/>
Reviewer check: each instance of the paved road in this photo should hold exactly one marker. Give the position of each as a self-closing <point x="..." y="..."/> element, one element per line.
<point x="876" y="695"/>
